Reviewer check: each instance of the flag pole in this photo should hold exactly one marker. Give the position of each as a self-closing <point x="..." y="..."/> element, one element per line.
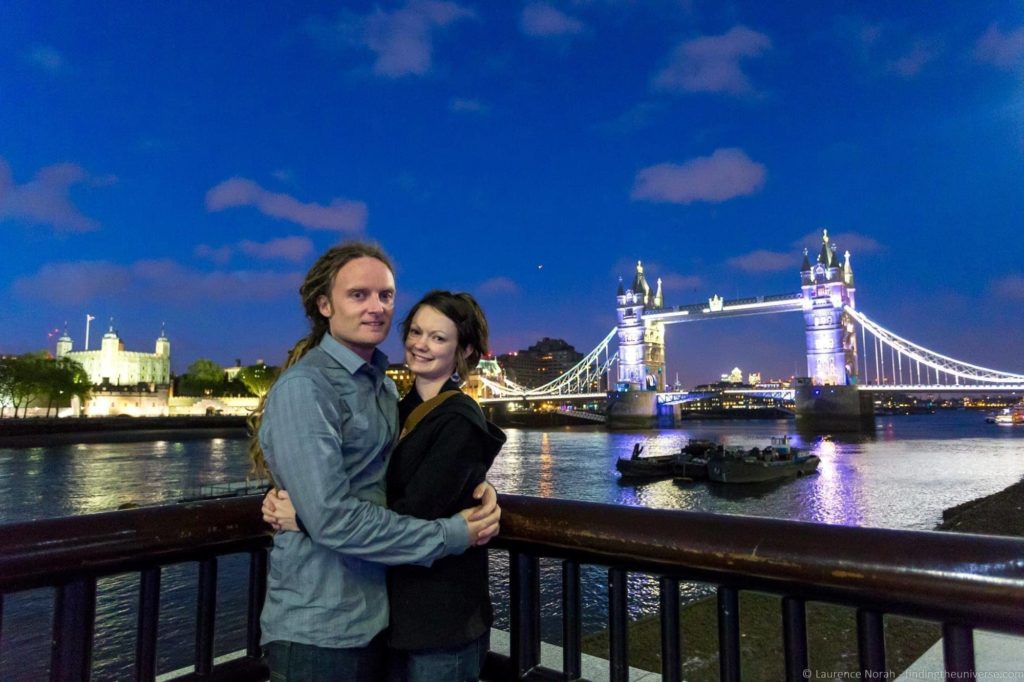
<point x="88" y="318"/>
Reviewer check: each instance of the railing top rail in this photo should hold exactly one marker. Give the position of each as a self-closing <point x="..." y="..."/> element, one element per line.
<point x="39" y="553"/>
<point x="973" y="578"/>
<point x="967" y="578"/>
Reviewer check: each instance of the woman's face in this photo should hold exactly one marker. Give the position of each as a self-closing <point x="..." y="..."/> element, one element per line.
<point x="431" y="344"/>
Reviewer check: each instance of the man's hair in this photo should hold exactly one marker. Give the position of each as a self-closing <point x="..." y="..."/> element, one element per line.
<point x="319" y="281"/>
<point x="470" y="324"/>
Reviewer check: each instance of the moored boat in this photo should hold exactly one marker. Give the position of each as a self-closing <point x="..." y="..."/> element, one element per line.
<point x="689" y="462"/>
<point x="777" y="461"/>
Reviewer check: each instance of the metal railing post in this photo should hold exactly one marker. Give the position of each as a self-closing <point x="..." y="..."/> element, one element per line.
<point x="794" y="638"/>
<point x="524" y="588"/>
<point x="206" y="611"/>
<point x="572" y="616"/>
<point x="148" y="624"/>
<point x="73" y="623"/>
<point x="729" y="634"/>
<point x="958" y="650"/>
<point x="871" y="643"/>
<point x="618" y="641"/>
<point x="671" y="664"/>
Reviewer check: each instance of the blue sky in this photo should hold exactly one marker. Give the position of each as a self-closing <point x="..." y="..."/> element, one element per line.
<point x="185" y="162"/>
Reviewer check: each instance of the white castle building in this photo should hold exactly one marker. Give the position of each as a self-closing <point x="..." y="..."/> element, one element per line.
<point x="115" y="366"/>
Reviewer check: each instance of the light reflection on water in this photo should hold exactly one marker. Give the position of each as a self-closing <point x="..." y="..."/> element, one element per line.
<point x="902" y="477"/>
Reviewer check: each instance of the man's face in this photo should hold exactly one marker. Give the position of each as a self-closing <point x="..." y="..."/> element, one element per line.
<point x="361" y="305"/>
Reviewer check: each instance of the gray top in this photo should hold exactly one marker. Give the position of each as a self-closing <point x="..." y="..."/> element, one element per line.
<point x="327" y="434"/>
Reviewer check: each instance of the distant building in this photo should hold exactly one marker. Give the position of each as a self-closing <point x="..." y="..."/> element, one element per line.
<point x="112" y="365"/>
<point x="402" y="376"/>
<point x="733" y="377"/>
<point x="542" y="362"/>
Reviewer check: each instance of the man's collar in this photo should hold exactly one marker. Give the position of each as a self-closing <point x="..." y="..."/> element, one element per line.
<point x="347" y="358"/>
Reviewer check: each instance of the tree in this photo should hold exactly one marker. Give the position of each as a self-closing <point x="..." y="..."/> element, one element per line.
<point x="6" y="384"/>
<point x="203" y="377"/>
<point x="36" y="377"/>
<point x="258" y="378"/>
<point x="60" y="380"/>
<point x="26" y="375"/>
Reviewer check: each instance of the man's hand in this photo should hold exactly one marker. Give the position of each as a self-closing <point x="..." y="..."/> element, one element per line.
<point x="483" y="519"/>
<point x="278" y="511"/>
<point x="488" y="497"/>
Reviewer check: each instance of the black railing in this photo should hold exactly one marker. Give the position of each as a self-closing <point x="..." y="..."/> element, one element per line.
<point x="961" y="581"/>
<point x="71" y="554"/>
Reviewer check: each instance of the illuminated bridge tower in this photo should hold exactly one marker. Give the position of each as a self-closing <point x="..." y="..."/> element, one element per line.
<point x="641" y="345"/>
<point x="828" y="398"/>
<point x="831" y="339"/>
<point x="641" y="356"/>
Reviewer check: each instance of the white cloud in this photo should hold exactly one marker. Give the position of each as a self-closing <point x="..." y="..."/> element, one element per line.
<point x="712" y="63"/>
<point x="402" y="41"/>
<point x="765" y="261"/>
<point x="911" y="64"/>
<point x="45" y="199"/>
<point x="294" y="249"/>
<point x="498" y="285"/>
<point x="845" y="241"/>
<point x="152" y="280"/>
<point x="46" y="58"/>
<point x="541" y="20"/>
<point x="726" y="174"/>
<point x="1005" y="50"/>
<point x="342" y="215"/>
<point x="1010" y="286"/>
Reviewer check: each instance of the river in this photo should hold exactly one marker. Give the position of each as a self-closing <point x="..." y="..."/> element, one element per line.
<point x="902" y="476"/>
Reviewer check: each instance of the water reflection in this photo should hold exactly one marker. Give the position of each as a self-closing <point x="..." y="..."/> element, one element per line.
<point x="904" y="478"/>
<point x="544" y="482"/>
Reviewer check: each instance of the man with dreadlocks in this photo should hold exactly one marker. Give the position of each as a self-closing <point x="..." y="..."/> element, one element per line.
<point x="325" y="432"/>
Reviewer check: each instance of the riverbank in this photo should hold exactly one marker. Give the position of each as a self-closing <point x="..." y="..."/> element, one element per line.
<point x="33" y="432"/>
<point x="831" y="630"/>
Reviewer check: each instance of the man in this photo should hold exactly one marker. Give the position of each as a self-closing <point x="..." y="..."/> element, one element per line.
<point x="328" y="428"/>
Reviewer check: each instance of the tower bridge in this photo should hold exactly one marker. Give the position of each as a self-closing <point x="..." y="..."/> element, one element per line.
<point x="849" y="356"/>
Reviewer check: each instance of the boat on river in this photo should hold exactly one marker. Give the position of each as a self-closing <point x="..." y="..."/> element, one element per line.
<point x="1011" y="416"/>
<point x="690" y="462"/>
<point x="757" y="465"/>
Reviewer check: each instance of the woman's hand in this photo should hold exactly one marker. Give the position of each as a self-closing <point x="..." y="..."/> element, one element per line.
<point x="278" y="511"/>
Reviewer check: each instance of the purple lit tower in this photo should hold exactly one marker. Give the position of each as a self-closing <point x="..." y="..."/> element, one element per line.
<point x="828" y="399"/>
<point x="831" y="339"/>
<point x="641" y="344"/>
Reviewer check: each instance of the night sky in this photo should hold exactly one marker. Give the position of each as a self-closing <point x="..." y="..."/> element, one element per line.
<point x="183" y="163"/>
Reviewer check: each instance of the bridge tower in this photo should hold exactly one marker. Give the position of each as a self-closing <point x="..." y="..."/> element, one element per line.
<point x="828" y="399"/>
<point x="641" y="345"/>
<point x="831" y="335"/>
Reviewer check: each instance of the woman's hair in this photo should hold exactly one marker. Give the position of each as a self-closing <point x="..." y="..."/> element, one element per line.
<point x="318" y="282"/>
<point x="470" y="324"/>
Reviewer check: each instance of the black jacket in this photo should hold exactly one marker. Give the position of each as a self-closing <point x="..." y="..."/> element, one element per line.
<point x="432" y="474"/>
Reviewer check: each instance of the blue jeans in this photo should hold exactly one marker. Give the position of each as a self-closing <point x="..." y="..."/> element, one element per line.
<point x="457" y="664"/>
<point x="294" y="662"/>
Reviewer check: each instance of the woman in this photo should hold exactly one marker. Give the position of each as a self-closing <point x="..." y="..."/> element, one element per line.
<point x="440" y="615"/>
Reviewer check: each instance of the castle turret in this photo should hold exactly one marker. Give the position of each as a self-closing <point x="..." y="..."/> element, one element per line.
<point x="163" y="344"/>
<point x="64" y="343"/>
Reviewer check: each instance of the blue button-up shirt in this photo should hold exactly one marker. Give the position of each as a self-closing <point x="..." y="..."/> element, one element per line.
<point x="327" y="434"/>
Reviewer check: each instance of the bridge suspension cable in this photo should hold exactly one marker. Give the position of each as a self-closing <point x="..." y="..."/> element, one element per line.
<point x="909" y="356"/>
<point x="580" y="378"/>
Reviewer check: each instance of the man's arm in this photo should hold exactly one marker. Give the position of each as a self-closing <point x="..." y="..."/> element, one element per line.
<point x="303" y="442"/>
<point x="483" y="519"/>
